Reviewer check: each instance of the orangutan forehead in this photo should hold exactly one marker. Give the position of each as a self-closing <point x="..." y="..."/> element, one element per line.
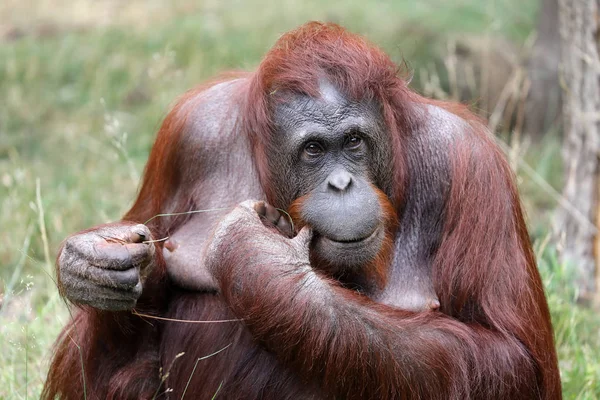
<point x="331" y="107"/>
<point x="329" y="93"/>
<point x="330" y="112"/>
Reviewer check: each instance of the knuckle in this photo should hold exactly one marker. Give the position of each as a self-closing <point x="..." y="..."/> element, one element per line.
<point x="65" y="270"/>
<point x="237" y="214"/>
<point x="69" y="246"/>
<point x="141" y="228"/>
<point x="69" y="264"/>
<point x="76" y="247"/>
<point x="249" y="207"/>
<point x="249" y="204"/>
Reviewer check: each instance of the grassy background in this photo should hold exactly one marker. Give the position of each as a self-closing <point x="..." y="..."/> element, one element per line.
<point x="84" y="85"/>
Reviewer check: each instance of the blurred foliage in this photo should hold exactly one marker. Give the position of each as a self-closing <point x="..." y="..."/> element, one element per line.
<point x="84" y="85"/>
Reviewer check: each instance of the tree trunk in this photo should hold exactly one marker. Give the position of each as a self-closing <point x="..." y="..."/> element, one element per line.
<point x="542" y="107"/>
<point x="578" y="26"/>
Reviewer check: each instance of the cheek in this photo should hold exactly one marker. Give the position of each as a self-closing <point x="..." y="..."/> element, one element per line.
<point x="283" y="182"/>
<point x="297" y="181"/>
<point x="381" y="169"/>
<point x="379" y="159"/>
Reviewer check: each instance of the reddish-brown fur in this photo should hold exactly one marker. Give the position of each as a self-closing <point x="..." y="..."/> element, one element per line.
<point x="491" y="338"/>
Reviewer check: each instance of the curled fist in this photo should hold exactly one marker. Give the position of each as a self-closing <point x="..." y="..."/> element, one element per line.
<point x="105" y="267"/>
<point x="256" y="235"/>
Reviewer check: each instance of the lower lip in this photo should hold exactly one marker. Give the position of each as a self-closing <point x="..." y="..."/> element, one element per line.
<point x="359" y="242"/>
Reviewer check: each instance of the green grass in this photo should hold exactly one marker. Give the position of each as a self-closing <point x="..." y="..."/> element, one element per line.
<point x="80" y="101"/>
<point x="576" y="330"/>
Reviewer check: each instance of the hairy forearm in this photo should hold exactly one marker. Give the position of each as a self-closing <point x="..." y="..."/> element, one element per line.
<point x="358" y="348"/>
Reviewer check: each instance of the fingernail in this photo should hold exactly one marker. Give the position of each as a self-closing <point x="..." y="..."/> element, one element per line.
<point x="137" y="237"/>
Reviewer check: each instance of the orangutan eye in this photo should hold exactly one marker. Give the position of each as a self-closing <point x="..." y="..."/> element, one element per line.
<point x="353" y="142"/>
<point x="313" y="149"/>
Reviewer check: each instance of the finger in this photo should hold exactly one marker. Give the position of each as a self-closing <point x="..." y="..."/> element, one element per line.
<point x="139" y="253"/>
<point x="119" y="256"/>
<point x="260" y="208"/>
<point x="285" y="227"/>
<point x="303" y="238"/>
<point x="102" y="303"/>
<point x="116" y="279"/>
<point x="246" y="210"/>
<point x="102" y="297"/>
<point x="110" y="255"/>
<point x="97" y="251"/>
<point x="139" y="233"/>
<point x="272" y="215"/>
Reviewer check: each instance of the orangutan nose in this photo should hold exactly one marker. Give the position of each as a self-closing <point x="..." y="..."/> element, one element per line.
<point x="339" y="180"/>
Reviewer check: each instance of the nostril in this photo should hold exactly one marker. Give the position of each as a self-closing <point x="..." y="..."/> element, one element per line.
<point x="339" y="180"/>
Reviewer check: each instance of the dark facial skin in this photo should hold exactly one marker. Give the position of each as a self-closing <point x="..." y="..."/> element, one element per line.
<point x="333" y="151"/>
